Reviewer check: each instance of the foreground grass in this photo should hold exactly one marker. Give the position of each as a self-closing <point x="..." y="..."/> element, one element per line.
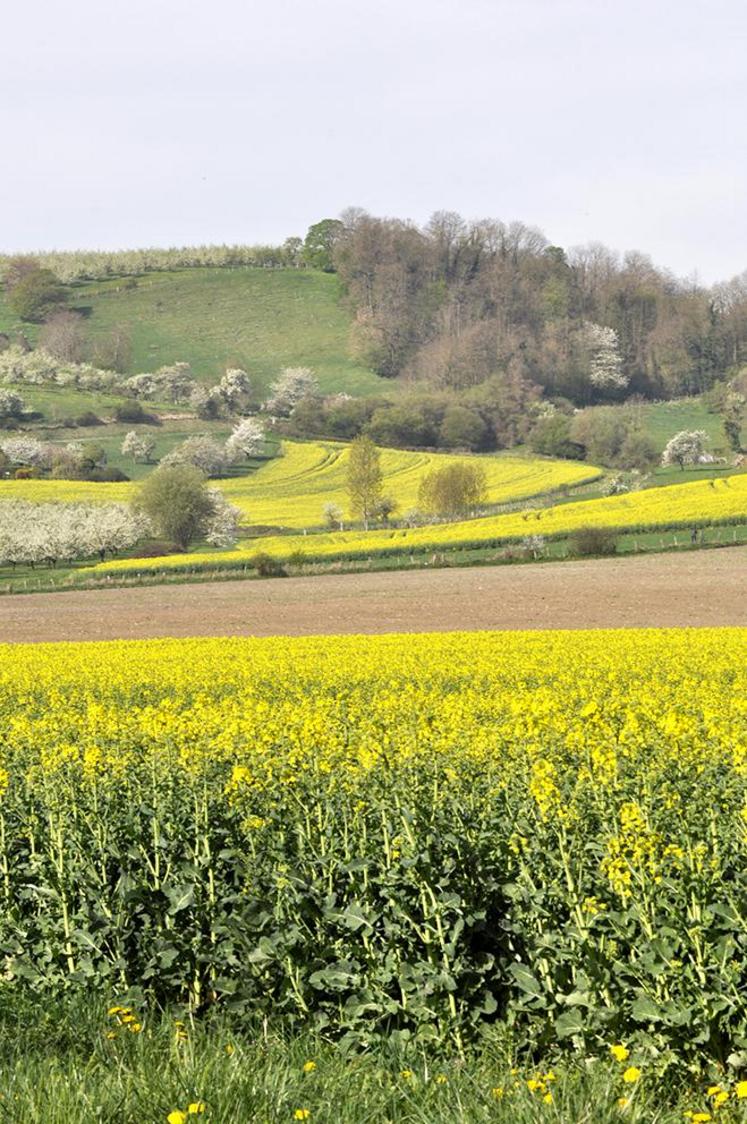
<point x="77" y="1064"/>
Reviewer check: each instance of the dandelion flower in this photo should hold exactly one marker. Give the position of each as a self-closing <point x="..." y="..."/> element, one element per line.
<point x="740" y="1090"/>
<point x="442" y="1079"/>
<point x="309" y="1067"/>
<point x="301" y="1114"/>
<point x="177" y="1117"/>
<point x="195" y="1108"/>
<point x="631" y="1075"/>
<point x="619" y="1052"/>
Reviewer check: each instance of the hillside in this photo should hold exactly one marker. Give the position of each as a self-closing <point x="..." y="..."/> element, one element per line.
<point x="257" y="319"/>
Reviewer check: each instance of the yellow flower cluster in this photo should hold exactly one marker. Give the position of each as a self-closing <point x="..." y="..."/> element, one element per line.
<point x="594" y="775"/>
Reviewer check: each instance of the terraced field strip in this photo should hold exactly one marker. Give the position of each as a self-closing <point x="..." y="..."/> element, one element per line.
<point x="699" y="503"/>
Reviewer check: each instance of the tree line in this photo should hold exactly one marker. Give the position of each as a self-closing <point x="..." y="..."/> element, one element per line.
<point x="455" y="303"/>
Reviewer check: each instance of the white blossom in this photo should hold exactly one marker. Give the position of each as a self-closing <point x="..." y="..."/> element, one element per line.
<point x="247" y="439"/>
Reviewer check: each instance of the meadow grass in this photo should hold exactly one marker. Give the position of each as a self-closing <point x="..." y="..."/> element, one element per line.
<point x="57" y="1066"/>
<point x="257" y="319"/>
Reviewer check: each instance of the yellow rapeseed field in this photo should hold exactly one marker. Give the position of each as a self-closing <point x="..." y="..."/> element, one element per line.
<point x="699" y="502"/>
<point x="292" y="489"/>
<point x="401" y="831"/>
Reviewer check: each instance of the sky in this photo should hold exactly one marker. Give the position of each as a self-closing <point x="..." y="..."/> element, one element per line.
<point x="176" y="122"/>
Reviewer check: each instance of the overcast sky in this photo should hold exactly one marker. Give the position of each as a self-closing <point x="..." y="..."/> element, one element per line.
<point x="162" y="122"/>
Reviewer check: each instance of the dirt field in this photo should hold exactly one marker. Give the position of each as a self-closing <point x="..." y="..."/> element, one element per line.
<point x="703" y="588"/>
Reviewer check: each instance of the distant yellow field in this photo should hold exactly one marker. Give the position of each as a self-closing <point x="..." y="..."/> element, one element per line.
<point x="699" y="502"/>
<point x="291" y="490"/>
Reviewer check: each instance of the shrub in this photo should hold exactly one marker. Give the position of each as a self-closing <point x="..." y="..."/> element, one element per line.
<point x="87" y="418"/>
<point x="592" y="542"/>
<point x="107" y="474"/>
<point x="267" y="566"/>
<point x="134" y="412"/>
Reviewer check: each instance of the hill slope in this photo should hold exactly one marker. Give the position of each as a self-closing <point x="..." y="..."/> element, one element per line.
<point x="258" y="319"/>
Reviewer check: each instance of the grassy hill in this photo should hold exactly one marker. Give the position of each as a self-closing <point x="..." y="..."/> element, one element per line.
<point x="258" y="319"/>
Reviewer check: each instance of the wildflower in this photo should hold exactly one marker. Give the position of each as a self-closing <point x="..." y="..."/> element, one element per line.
<point x="406" y="1073"/>
<point x="631" y="1075"/>
<point x="230" y="1049"/>
<point x="114" y="1011"/>
<point x="740" y="1090"/>
<point x="309" y="1067"/>
<point x="111" y="1034"/>
<point x="442" y="1079"/>
<point x="698" y="1117"/>
<point x="620" y="1053"/>
<point x="498" y="1092"/>
<point x="177" y="1117"/>
<point x="547" y="1098"/>
<point x="301" y="1114"/>
<point x="533" y="1085"/>
<point x="622" y="1103"/>
<point x="135" y="1028"/>
<point x="195" y="1108"/>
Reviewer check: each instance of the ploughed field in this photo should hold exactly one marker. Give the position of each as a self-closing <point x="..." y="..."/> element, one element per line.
<point x="666" y="590"/>
<point x="420" y="836"/>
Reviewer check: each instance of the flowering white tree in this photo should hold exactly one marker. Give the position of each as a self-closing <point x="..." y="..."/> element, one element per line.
<point x="222" y="528"/>
<point x="686" y="447"/>
<point x="333" y="516"/>
<point x="26" y="451"/>
<point x="201" y="451"/>
<point x="605" y="362"/>
<point x="247" y="439"/>
<point x="174" y="383"/>
<point x="235" y="388"/>
<point x="292" y="384"/>
<point x="108" y="528"/>
<point x="62" y="532"/>
<point x="139" y="446"/>
<point x="11" y="404"/>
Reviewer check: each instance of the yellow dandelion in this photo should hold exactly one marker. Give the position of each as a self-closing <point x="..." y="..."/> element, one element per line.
<point x="547" y="1098"/>
<point x="301" y="1114"/>
<point x="309" y="1067"/>
<point x="406" y="1073"/>
<point x="498" y="1092"/>
<point x="195" y="1108"/>
<point x="631" y="1075"/>
<point x="619" y="1052"/>
<point x="177" y="1117"/>
<point x="740" y="1090"/>
<point x="442" y="1079"/>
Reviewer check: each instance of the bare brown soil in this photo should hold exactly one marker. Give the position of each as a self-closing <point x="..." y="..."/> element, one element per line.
<point x="664" y="590"/>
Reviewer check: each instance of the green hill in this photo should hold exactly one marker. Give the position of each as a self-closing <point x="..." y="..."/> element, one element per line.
<point x="258" y="319"/>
